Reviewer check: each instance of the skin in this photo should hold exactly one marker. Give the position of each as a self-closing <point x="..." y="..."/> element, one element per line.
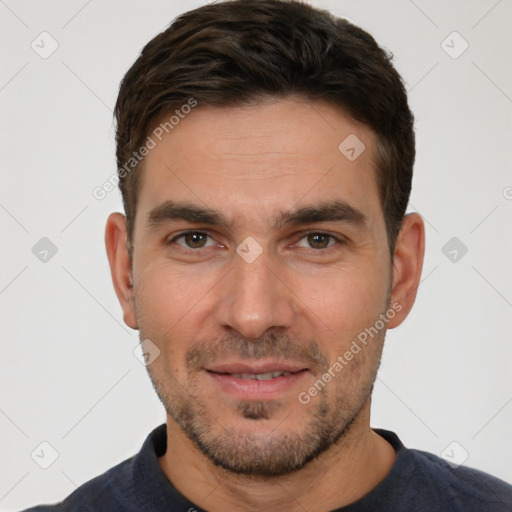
<point x="301" y="301"/>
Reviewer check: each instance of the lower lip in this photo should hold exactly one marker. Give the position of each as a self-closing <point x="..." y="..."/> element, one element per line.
<point x="252" y="389"/>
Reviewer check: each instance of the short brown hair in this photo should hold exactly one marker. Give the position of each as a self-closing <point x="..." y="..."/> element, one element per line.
<point x="238" y="51"/>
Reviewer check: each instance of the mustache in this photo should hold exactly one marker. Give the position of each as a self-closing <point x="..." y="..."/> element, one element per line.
<point x="271" y="345"/>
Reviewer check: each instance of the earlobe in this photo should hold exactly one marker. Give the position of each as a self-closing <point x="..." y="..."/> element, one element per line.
<point x="407" y="265"/>
<point x="120" y="266"/>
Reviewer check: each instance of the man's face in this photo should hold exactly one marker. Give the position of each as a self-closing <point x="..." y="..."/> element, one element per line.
<point x="283" y="284"/>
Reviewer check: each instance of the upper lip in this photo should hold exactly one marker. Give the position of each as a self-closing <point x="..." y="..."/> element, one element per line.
<point x="256" y="368"/>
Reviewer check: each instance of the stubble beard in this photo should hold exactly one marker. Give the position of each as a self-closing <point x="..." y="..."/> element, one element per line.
<point x="243" y="451"/>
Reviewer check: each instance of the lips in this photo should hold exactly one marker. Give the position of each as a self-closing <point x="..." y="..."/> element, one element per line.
<point x="260" y="376"/>
<point x="258" y="381"/>
<point x="255" y="369"/>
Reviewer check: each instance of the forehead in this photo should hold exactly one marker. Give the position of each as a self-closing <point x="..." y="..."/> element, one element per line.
<point x="262" y="159"/>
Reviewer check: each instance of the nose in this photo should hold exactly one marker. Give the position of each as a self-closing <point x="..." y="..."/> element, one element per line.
<point x="254" y="297"/>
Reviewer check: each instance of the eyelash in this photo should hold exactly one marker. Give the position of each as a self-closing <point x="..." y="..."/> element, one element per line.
<point x="338" y="241"/>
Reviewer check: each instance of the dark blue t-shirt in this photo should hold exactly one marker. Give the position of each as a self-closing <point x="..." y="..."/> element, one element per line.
<point x="418" y="481"/>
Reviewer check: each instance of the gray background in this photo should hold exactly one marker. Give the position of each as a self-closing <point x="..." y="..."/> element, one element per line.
<point x="68" y="374"/>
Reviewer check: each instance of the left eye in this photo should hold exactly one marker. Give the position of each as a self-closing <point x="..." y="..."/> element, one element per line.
<point x="318" y="241"/>
<point x="194" y="240"/>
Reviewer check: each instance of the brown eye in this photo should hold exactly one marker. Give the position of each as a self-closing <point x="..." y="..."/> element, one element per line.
<point x="194" y="240"/>
<point x="319" y="240"/>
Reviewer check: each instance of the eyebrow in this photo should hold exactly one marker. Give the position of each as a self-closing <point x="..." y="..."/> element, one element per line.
<point x="329" y="211"/>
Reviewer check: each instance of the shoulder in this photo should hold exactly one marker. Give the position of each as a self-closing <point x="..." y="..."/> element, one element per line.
<point x="96" y="494"/>
<point x="122" y="487"/>
<point x="462" y="485"/>
<point x="424" y="481"/>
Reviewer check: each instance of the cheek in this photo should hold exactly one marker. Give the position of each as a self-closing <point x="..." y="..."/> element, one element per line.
<point x="345" y="297"/>
<point x="172" y="302"/>
<point x="163" y="300"/>
<point x="343" y="307"/>
<point x="162" y="306"/>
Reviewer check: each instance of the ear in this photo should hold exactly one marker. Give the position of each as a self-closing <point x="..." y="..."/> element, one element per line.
<point x="407" y="266"/>
<point x="120" y="267"/>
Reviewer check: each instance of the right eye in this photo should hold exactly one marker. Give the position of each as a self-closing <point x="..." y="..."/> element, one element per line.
<point x="193" y="240"/>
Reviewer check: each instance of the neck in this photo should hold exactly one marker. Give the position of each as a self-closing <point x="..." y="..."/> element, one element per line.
<point x="344" y="473"/>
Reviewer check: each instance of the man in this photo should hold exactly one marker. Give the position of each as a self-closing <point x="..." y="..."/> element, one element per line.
<point x="265" y="153"/>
